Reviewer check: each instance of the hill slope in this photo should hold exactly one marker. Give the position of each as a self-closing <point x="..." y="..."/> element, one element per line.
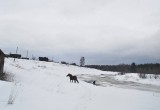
<point x="44" y="86"/>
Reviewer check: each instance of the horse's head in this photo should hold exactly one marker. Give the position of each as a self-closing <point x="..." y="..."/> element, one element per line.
<point x="69" y="75"/>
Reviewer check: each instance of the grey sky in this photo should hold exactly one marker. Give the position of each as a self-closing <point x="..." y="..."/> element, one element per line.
<point x="103" y="31"/>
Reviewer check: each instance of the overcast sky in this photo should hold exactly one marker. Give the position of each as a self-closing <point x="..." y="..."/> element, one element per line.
<point x="103" y="31"/>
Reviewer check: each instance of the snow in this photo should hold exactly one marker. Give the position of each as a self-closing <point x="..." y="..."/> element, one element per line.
<point x="44" y="86"/>
<point x="135" y="78"/>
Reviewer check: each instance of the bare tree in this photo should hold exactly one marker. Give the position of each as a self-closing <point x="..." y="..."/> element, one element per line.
<point x="82" y="61"/>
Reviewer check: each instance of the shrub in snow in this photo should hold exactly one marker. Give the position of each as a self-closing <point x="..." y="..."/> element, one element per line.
<point x="42" y="66"/>
<point x="7" y="77"/>
<point x="63" y="62"/>
<point x="142" y="75"/>
<point x="121" y="73"/>
<point x="156" y="76"/>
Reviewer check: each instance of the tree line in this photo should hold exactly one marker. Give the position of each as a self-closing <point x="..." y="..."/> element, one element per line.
<point x="129" y="68"/>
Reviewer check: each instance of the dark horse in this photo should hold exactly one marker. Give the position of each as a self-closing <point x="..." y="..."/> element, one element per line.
<point x="72" y="78"/>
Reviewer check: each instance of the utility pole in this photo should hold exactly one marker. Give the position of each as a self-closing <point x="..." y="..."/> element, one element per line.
<point x="33" y="58"/>
<point x="16" y="52"/>
<point x="27" y="54"/>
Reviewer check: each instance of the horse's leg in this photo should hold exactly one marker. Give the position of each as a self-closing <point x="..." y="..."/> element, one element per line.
<point x="77" y="81"/>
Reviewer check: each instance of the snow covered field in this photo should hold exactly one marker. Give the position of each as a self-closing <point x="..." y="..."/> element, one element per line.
<point x="44" y="86"/>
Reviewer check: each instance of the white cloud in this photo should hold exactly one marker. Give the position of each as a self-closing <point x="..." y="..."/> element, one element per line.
<point x="90" y="28"/>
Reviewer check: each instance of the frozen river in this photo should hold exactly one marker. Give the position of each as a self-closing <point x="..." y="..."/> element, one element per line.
<point x="108" y="80"/>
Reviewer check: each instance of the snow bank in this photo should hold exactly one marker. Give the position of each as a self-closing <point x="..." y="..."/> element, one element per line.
<point x="134" y="77"/>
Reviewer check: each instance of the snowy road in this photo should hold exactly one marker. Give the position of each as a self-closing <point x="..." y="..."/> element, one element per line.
<point x="108" y="80"/>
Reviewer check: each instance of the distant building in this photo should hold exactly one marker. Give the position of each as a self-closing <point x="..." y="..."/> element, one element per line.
<point x="2" y="57"/>
<point x="43" y="59"/>
<point x="15" y="55"/>
<point x="25" y="58"/>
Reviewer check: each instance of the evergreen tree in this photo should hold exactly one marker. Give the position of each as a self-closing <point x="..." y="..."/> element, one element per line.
<point x="133" y="67"/>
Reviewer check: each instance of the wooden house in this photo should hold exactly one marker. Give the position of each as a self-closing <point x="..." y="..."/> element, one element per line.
<point x="2" y="57"/>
